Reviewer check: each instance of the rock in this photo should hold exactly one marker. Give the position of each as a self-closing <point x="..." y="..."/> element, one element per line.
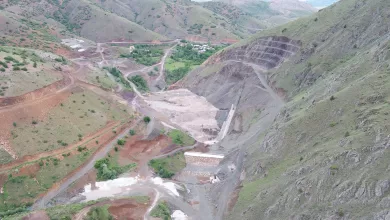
<point x="382" y="187"/>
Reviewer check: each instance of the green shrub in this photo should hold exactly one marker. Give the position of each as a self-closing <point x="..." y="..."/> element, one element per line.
<point x="180" y="138"/>
<point x="146" y="119"/>
<point x="3" y="64"/>
<point x="132" y="132"/>
<point x="139" y="82"/>
<point x="98" y="213"/>
<point x="121" y="142"/>
<point x="16" y="68"/>
<point x="108" y="171"/>
<point x="161" y="211"/>
<point x="2" y="69"/>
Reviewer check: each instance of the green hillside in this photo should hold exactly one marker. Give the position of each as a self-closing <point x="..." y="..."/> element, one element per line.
<point x="326" y="155"/>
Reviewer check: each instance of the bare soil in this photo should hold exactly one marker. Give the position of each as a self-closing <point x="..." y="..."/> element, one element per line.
<point x="125" y="209"/>
<point x="136" y="150"/>
<point x="38" y="215"/>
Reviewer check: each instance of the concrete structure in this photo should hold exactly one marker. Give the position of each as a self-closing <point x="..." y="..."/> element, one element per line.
<point x="202" y="159"/>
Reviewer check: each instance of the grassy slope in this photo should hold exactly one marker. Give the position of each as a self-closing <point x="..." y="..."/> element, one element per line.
<point x="82" y="113"/>
<point x="174" y="19"/>
<point x="99" y="25"/>
<point x="325" y="149"/>
<point x="15" y="83"/>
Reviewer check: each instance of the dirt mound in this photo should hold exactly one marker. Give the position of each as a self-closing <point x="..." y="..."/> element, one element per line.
<point x="127" y="209"/>
<point x="143" y="150"/>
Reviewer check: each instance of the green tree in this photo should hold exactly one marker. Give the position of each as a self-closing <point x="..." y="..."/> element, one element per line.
<point x="132" y="132"/>
<point x="146" y="119"/>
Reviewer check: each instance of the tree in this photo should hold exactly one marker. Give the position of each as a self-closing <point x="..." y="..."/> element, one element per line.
<point x="146" y="119"/>
<point x="121" y="142"/>
<point x="132" y="132"/>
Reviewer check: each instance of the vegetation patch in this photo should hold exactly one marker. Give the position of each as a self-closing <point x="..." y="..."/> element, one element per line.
<point x="118" y="76"/>
<point x="139" y="82"/>
<point x="185" y="58"/>
<point x="168" y="166"/>
<point x="108" y="170"/>
<point x="99" y="213"/>
<point x="21" y="191"/>
<point x="161" y="211"/>
<point x="145" y="54"/>
<point x="180" y="138"/>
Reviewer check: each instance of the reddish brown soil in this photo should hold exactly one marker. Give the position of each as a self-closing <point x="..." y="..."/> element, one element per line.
<point x="63" y="52"/>
<point x="38" y="215"/>
<point x="125" y="209"/>
<point x="233" y="199"/>
<point x="3" y="179"/>
<point x="29" y="170"/>
<point x="141" y="151"/>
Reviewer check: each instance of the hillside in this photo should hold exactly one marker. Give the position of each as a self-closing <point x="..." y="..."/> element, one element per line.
<point x="314" y="130"/>
<point x="274" y="12"/>
<point x="82" y="18"/>
<point x="136" y="20"/>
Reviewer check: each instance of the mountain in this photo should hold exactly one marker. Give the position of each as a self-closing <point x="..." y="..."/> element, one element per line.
<point x="311" y="126"/>
<point x="321" y="3"/>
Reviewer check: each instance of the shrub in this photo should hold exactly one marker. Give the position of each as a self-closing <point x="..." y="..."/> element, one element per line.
<point x="14" y="124"/>
<point x="146" y="119"/>
<point x="41" y="163"/>
<point x="346" y="134"/>
<point x="340" y="213"/>
<point x="98" y="213"/>
<point x="34" y="122"/>
<point x="132" y="132"/>
<point x="80" y="149"/>
<point x="24" y="69"/>
<point x="35" y="65"/>
<point x="3" y="64"/>
<point x="2" y="69"/>
<point x="16" y="68"/>
<point x="116" y="148"/>
<point x="139" y="82"/>
<point x="121" y="142"/>
<point x="332" y="98"/>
